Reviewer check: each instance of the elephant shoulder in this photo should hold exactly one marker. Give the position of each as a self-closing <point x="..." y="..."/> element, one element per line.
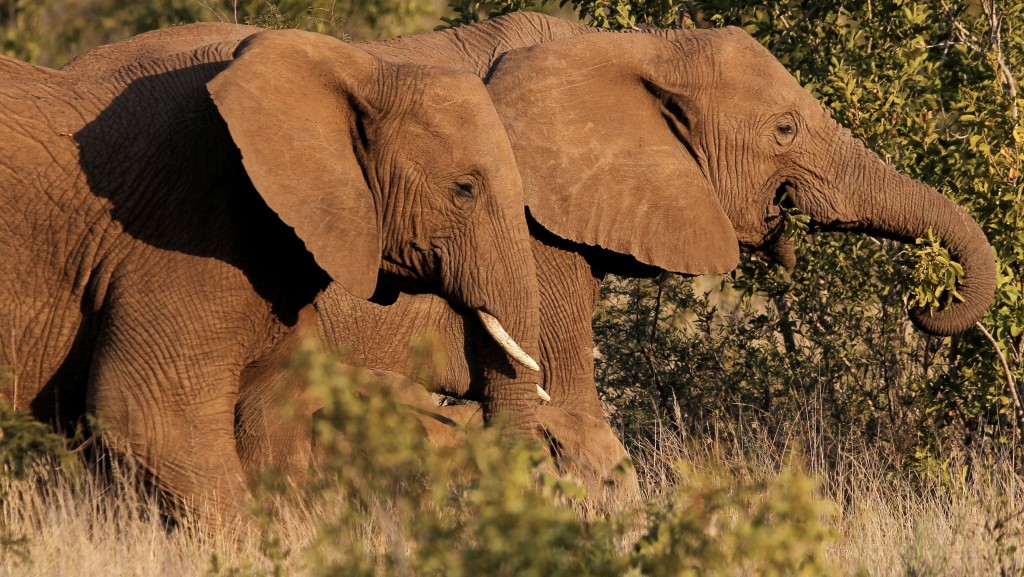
<point x="34" y="106"/>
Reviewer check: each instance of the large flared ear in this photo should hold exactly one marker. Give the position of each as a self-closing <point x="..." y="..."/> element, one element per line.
<point x="294" y="103"/>
<point x="604" y="129"/>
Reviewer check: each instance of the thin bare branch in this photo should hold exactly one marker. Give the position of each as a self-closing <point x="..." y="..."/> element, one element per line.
<point x="1011" y="383"/>
<point x="217" y="12"/>
<point x="966" y="36"/>
<point x="995" y="20"/>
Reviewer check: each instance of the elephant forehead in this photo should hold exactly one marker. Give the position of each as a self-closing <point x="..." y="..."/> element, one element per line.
<point x="462" y="129"/>
<point x="450" y="92"/>
<point x="749" y="73"/>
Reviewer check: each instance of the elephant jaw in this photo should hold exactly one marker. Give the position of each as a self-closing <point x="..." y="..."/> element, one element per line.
<point x="781" y="252"/>
<point x="775" y="246"/>
<point x="510" y="346"/>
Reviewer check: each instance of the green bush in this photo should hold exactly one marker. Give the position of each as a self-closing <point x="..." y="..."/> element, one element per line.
<point x="24" y="442"/>
<point x="26" y="445"/>
<point x="735" y="522"/>
<point x="389" y="503"/>
<point x="51" y="32"/>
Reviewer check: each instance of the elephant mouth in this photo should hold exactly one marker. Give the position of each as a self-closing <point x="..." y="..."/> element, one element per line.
<point x="415" y="267"/>
<point x="775" y="245"/>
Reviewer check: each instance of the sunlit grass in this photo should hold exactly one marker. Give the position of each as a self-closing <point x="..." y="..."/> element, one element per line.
<point x="385" y="503"/>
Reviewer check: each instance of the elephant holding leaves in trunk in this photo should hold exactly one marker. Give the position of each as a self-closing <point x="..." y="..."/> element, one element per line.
<point x="174" y="203"/>
<point x="665" y="150"/>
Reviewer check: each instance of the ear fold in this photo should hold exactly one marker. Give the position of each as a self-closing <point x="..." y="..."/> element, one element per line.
<point x="605" y="151"/>
<point x="292" y="101"/>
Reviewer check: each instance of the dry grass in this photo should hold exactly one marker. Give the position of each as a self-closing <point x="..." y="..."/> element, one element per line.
<point x="955" y="520"/>
<point x="884" y="522"/>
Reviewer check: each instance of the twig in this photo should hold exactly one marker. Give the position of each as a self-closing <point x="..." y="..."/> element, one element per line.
<point x="995" y="42"/>
<point x="1010" y="381"/>
<point x="995" y="39"/>
<point x="785" y="324"/>
<point x="966" y="36"/>
<point x="648" y="356"/>
<point x="646" y="350"/>
<point x="216" y="11"/>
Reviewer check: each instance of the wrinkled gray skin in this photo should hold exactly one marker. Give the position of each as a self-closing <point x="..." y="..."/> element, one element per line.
<point x="641" y="153"/>
<point x="174" y="203"/>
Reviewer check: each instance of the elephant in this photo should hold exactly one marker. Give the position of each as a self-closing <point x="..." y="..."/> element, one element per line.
<point x="641" y="152"/>
<point x="174" y="203"/>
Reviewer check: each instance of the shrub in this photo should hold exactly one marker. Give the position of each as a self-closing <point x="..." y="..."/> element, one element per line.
<point x="386" y="502"/>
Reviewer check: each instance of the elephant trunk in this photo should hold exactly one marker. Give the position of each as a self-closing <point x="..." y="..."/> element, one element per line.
<point x="498" y="282"/>
<point x="884" y="203"/>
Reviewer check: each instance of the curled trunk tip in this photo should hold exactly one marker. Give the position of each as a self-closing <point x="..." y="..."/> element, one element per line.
<point x="892" y="205"/>
<point x="977" y="289"/>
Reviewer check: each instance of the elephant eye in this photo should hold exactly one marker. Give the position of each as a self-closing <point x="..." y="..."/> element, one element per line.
<point x="785" y="131"/>
<point x="464" y="192"/>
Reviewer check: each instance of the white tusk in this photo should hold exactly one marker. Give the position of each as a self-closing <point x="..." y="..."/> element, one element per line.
<point x="544" y="396"/>
<point x="498" y="333"/>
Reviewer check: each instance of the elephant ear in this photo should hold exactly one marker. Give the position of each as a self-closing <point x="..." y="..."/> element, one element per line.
<point x="294" y="103"/>
<point x="604" y="145"/>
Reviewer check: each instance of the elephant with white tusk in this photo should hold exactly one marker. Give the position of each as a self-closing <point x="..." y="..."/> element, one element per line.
<point x="665" y="150"/>
<point x="173" y="204"/>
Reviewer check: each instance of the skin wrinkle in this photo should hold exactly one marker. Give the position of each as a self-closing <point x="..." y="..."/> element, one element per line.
<point x="389" y="129"/>
<point x="390" y="86"/>
<point x="491" y="266"/>
<point x="399" y="211"/>
<point x="840" y="148"/>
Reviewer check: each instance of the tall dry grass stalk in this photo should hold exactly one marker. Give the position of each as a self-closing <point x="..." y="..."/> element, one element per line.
<point x="962" y="517"/>
<point x="55" y="525"/>
<point x="954" y="522"/>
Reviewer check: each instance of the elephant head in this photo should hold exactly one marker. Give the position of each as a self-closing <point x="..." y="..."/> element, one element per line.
<point x="376" y="166"/>
<point x="696" y="134"/>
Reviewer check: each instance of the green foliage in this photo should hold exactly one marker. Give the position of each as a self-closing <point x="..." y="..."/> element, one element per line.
<point x="355" y="19"/>
<point x="730" y="522"/>
<point x="491" y="506"/>
<point x="390" y="503"/>
<point x="936" y="275"/>
<point x="51" y="32"/>
<point x="24" y="442"/>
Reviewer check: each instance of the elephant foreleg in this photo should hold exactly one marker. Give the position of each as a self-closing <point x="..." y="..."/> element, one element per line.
<point x="164" y="397"/>
<point x="273" y="416"/>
